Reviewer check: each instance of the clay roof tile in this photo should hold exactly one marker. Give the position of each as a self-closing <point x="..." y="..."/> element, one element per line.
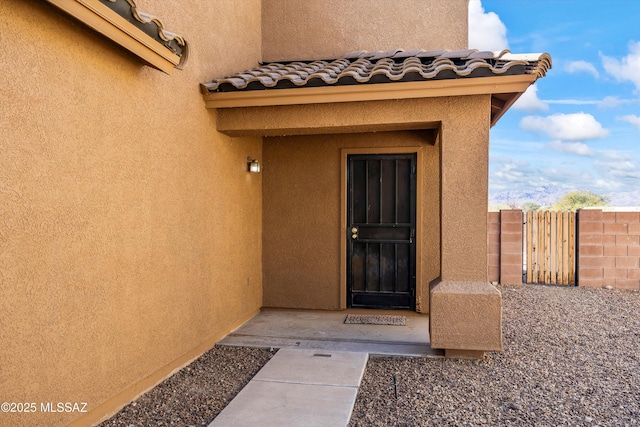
<point x="369" y="67"/>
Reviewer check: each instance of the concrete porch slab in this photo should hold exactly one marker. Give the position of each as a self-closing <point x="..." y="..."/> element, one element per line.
<point x="325" y="330"/>
<point x="298" y="387"/>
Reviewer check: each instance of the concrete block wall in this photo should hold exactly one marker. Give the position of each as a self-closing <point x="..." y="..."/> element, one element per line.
<point x="608" y="249"/>
<point x="504" y="242"/>
<point x="511" y="247"/>
<point x="493" y="246"/>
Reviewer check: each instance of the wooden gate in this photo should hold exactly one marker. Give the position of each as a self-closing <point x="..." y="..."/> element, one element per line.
<point x="550" y="247"/>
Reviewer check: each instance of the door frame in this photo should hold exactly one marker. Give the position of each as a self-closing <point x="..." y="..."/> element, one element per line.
<point x="345" y="152"/>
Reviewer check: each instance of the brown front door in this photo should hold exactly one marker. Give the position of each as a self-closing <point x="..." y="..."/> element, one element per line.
<point x="381" y="224"/>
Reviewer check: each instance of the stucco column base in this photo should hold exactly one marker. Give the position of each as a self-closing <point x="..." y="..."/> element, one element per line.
<point x="463" y="354"/>
<point x="466" y="316"/>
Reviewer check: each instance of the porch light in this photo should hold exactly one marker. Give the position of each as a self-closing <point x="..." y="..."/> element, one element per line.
<point x="253" y="165"/>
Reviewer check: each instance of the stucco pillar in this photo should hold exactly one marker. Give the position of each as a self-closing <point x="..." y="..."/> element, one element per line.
<point x="464" y="189"/>
<point x="466" y="311"/>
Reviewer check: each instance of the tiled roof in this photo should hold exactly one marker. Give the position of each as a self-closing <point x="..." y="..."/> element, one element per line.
<point x="366" y="67"/>
<point x="149" y="24"/>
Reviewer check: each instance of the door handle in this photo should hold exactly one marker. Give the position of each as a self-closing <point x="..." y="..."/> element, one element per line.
<point x="354" y="233"/>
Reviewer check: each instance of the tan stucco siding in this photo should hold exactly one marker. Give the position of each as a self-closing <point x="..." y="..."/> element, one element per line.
<point x="301" y="180"/>
<point x="130" y="233"/>
<point x="307" y="29"/>
<point x="302" y="215"/>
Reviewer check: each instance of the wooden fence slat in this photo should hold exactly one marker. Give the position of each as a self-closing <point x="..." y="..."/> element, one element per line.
<point x="565" y="248"/>
<point x="552" y="235"/>
<point x="541" y="234"/>
<point x="572" y="247"/>
<point x="546" y="219"/>
<point x="540" y="243"/>
<point x="559" y="247"/>
<point x="528" y="244"/>
<point x="534" y="255"/>
<point x="553" y="279"/>
<point x="547" y="249"/>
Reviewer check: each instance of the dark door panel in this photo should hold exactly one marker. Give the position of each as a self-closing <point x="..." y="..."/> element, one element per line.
<point x="381" y="231"/>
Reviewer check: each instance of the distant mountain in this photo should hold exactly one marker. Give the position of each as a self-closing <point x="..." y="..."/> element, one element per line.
<point x="547" y="195"/>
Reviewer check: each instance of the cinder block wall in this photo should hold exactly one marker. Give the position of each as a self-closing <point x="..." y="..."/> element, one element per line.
<point x="504" y="247"/>
<point x="493" y="246"/>
<point x="511" y="247"/>
<point x="608" y="249"/>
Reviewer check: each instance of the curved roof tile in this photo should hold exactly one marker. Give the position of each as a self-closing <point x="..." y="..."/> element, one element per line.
<point x="364" y="67"/>
<point x="150" y="24"/>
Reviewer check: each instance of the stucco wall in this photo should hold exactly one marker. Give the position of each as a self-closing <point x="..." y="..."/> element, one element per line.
<point x="309" y="29"/>
<point x="130" y="231"/>
<point x="301" y="189"/>
<point x="302" y="215"/>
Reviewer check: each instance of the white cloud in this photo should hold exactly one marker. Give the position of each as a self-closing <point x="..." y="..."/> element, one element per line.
<point x="578" y="148"/>
<point x="606" y="185"/>
<point x="606" y="102"/>
<point x="514" y="171"/>
<point x="508" y="173"/>
<point x="567" y="176"/>
<point x="633" y="175"/>
<point x="619" y="166"/>
<point x="619" y="170"/>
<point x="529" y="101"/>
<point x="626" y="69"/>
<point x="486" y="30"/>
<point x="572" y="101"/>
<point x="614" y="155"/>
<point x="633" y="119"/>
<point x="581" y="66"/>
<point x="565" y="127"/>
<point x="614" y="101"/>
<point x="610" y="102"/>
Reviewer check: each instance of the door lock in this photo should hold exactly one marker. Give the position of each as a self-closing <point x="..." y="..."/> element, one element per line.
<point x="354" y="233"/>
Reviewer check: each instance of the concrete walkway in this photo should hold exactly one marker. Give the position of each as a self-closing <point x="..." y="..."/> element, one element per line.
<point x="313" y="379"/>
<point x="326" y="330"/>
<point x="299" y="388"/>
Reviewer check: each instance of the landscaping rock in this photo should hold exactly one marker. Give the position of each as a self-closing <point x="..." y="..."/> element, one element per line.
<point x="572" y="357"/>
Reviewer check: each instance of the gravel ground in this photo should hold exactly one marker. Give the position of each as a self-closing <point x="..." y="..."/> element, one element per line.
<point x="572" y="357"/>
<point x="197" y="393"/>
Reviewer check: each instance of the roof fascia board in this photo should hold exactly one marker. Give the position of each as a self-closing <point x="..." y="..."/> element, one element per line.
<point x="109" y="23"/>
<point x="370" y="92"/>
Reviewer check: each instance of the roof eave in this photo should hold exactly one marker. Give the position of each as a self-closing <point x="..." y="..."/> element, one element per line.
<point x="498" y="112"/>
<point x="515" y="84"/>
<point x="104" y="20"/>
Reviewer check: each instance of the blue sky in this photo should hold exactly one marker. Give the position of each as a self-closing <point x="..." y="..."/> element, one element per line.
<point x="578" y="127"/>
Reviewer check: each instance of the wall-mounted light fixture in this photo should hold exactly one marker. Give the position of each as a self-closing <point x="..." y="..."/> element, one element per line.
<point x="253" y="165"/>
